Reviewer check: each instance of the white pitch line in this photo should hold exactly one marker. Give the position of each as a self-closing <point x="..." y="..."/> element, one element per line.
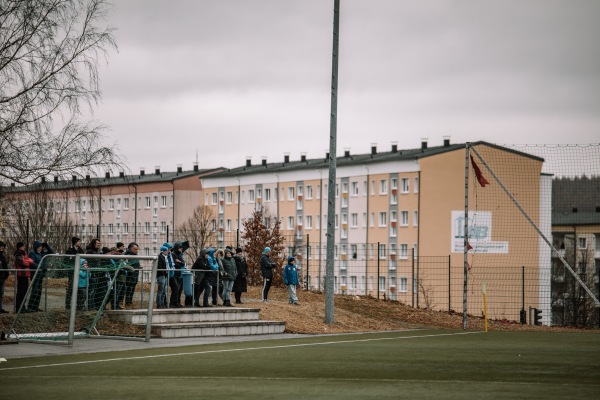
<point x="234" y="350"/>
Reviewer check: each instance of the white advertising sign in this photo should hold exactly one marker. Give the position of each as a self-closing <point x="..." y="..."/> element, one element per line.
<point x="480" y="233"/>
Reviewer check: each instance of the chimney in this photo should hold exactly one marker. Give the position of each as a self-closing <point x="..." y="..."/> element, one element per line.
<point x="264" y="161"/>
<point x="107" y="175"/>
<point x="574" y="210"/>
<point x="196" y="166"/>
<point x="423" y="143"/>
<point x="327" y="156"/>
<point x="43" y="180"/>
<point x="142" y="171"/>
<point x="446" y="141"/>
<point x="55" y="178"/>
<point x="74" y="177"/>
<point x="88" y="177"/>
<point x="286" y="158"/>
<point x="157" y="170"/>
<point x="122" y="174"/>
<point x="347" y="152"/>
<point x="179" y="168"/>
<point x="303" y="157"/>
<point x="394" y="147"/>
<point x="12" y="184"/>
<point x="248" y="161"/>
<point x="373" y="148"/>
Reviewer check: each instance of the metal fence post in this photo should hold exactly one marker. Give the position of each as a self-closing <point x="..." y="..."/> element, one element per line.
<point x="378" y="271"/>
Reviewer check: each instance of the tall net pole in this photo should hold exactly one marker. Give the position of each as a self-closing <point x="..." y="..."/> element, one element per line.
<point x="466" y="238"/>
<point x="329" y="270"/>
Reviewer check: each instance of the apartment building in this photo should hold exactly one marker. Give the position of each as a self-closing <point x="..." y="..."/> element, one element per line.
<point x="391" y="207"/>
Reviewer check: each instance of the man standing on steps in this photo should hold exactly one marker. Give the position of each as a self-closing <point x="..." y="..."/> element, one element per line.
<point x="266" y="269"/>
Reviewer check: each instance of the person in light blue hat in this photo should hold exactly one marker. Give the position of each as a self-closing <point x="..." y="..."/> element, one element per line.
<point x="266" y="268"/>
<point x="82" y="284"/>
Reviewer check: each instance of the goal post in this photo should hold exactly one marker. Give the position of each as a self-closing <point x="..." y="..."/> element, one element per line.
<point x="73" y="292"/>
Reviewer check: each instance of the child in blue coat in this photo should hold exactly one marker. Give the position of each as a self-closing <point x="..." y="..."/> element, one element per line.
<point x="290" y="278"/>
<point x="82" y="284"/>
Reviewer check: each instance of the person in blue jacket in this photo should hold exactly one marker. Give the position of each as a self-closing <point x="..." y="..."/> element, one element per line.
<point x="214" y="266"/>
<point x="290" y="278"/>
<point x="82" y="284"/>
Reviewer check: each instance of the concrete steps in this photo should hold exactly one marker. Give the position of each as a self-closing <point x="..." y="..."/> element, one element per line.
<point x="197" y="322"/>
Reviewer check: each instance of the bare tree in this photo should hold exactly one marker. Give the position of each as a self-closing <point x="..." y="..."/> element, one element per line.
<point x="35" y="216"/>
<point x="197" y="230"/>
<point x="49" y="53"/>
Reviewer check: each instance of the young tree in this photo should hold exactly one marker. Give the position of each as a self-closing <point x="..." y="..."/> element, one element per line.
<point x="258" y="235"/>
<point x="49" y="53"/>
<point x="197" y="230"/>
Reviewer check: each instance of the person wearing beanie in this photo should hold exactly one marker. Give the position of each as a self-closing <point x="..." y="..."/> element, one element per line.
<point x="266" y="268"/>
<point x="228" y="271"/>
<point x="39" y="251"/>
<point x="290" y="278"/>
<point x="3" y="274"/>
<point x="73" y="250"/>
<point x="240" y="285"/>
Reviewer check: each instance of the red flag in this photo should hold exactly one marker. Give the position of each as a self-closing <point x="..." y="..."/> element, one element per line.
<point x="482" y="181"/>
<point x="469" y="247"/>
<point x="468" y="266"/>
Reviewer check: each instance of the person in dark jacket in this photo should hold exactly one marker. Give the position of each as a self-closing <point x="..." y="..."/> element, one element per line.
<point x="96" y="276"/>
<point x="240" y="285"/>
<point x="132" y="277"/>
<point x="73" y="250"/>
<point x="228" y="273"/>
<point x="22" y="264"/>
<point x="266" y="269"/>
<point x="37" y="273"/>
<point x="162" y="277"/>
<point x="177" y="253"/>
<point x="201" y="279"/>
<point x="4" y="273"/>
<point x="290" y="278"/>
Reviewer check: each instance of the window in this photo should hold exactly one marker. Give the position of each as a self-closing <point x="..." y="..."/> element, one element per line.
<point x="163" y="201"/>
<point x="382" y="283"/>
<point x="309" y="192"/>
<point x="229" y="197"/>
<point x="259" y="193"/>
<point x="404" y="218"/>
<point x="155" y="200"/>
<point x="582" y="243"/>
<point x="353" y="282"/>
<point x="291" y="193"/>
<point x="394" y="183"/>
<point x="354" y="220"/>
<point x="382" y="250"/>
<point x="354" y="251"/>
<point x="345" y="187"/>
<point x="354" y="186"/>
<point x="111" y="204"/>
<point x="213" y="198"/>
<point x="77" y="206"/>
<point x="403" y="285"/>
<point x="416" y="185"/>
<point x="126" y="203"/>
<point x="299" y="220"/>
<point x="228" y="225"/>
<point x="415" y="218"/>
<point x="372" y="221"/>
<point x="111" y="229"/>
<point x="118" y="213"/>
<point x="309" y="222"/>
<point x="383" y="186"/>
<point x="147" y="227"/>
<point x="290" y="222"/>
<point x="250" y="196"/>
<point x="267" y="194"/>
<point x="147" y="200"/>
<point x="404" y="251"/>
<point x="125" y="228"/>
<point x="155" y="212"/>
<point x="405" y="185"/>
<point x="344" y="201"/>
<point x="372" y="188"/>
<point x="382" y="219"/>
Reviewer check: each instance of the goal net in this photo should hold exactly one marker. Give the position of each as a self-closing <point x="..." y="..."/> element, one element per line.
<point x="533" y="233"/>
<point x="69" y="296"/>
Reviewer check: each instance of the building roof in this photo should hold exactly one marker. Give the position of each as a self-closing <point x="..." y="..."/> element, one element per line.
<point x="107" y="180"/>
<point x="358" y="159"/>
<point x="576" y="201"/>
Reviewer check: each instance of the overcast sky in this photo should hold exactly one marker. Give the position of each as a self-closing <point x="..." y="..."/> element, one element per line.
<point x="233" y="78"/>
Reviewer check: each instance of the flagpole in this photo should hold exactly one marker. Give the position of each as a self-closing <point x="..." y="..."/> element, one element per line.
<point x="466" y="237"/>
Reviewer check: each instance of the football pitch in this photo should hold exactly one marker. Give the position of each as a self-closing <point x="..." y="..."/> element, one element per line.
<point x="386" y="365"/>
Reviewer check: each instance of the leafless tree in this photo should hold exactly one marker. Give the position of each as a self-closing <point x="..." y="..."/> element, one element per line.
<point x="198" y="230"/>
<point x="49" y="54"/>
